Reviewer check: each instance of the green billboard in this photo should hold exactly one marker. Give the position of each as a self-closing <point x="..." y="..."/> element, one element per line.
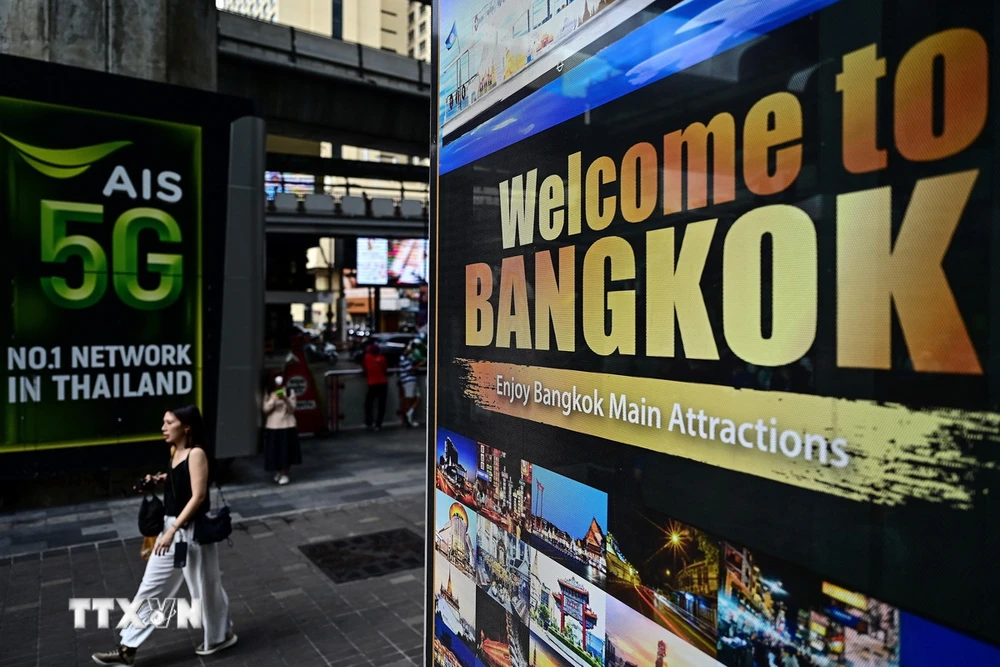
<point x="101" y="215"/>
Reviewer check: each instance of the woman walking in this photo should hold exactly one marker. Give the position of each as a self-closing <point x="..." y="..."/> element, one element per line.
<point x="281" y="433"/>
<point x="185" y="498"/>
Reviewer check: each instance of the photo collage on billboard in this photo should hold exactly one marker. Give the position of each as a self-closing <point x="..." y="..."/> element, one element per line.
<point x="527" y="571"/>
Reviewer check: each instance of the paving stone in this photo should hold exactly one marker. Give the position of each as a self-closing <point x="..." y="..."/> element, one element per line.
<point x="286" y="610"/>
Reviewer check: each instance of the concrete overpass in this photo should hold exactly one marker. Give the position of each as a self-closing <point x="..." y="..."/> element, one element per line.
<point x="314" y="87"/>
<point x="307" y="85"/>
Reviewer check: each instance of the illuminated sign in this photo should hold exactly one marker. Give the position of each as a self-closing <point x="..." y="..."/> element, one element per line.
<point x="105" y="326"/>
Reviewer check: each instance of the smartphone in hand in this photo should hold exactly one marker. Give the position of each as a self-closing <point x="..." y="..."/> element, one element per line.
<point x="180" y="554"/>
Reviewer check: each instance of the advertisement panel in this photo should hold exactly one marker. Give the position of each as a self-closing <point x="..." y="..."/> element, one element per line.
<point x="713" y="294"/>
<point x="114" y="211"/>
<point x="105" y="289"/>
<point x="391" y="262"/>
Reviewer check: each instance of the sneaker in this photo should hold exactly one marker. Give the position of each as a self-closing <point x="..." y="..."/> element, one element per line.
<point x="277" y="476"/>
<point x="120" y="656"/>
<point x="229" y="641"/>
<point x="283" y="480"/>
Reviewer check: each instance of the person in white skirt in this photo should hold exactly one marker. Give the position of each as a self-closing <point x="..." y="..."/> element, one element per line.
<point x="186" y="495"/>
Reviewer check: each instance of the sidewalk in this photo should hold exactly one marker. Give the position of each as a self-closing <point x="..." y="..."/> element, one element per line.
<point x="286" y="610"/>
<point x="350" y="468"/>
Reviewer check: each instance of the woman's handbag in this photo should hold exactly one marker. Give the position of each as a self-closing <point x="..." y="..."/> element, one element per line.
<point x="151" y="514"/>
<point x="212" y="527"/>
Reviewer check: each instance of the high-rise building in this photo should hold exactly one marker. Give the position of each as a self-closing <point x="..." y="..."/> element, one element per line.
<point x="262" y="10"/>
<point x="311" y="15"/>
<point x="419" y="32"/>
<point x="400" y="26"/>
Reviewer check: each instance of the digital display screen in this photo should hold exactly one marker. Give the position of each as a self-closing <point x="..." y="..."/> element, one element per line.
<point x="278" y="181"/>
<point x="714" y="338"/>
<point x="407" y="261"/>
<point x="391" y="262"/>
<point x="373" y="261"/>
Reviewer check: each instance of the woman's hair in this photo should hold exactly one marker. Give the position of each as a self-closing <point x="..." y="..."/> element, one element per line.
<point x="190" y="416"/>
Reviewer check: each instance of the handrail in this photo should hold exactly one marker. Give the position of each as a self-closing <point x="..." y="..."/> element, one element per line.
<point x="360" y="371"/>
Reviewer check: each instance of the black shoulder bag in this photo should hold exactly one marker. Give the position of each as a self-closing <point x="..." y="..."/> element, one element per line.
<point x="212" y="527"/>
<point x="151" y="514"/>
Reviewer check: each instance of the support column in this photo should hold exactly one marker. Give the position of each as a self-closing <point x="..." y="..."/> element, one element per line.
<point x="156" y="40"/>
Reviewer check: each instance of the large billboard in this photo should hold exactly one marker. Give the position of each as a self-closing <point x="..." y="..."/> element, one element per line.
<point x="114" y="209"/>
<point x="715" y="287"/>
<point x="105" y="287"/>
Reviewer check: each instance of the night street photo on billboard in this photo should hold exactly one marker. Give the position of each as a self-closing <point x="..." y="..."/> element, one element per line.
<point x="769" y="609"/>
<point x="669" y="572"/>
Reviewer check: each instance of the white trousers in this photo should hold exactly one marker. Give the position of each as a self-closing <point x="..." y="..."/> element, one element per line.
<point x="204" y="582"/>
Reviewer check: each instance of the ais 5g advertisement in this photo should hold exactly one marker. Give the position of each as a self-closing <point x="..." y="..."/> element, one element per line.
<point x="128" y="256"/>
<point x="105" y="286"/>
<point x="715" y="339"/>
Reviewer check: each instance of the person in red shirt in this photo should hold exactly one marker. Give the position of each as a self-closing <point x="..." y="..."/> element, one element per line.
<point x="375" y="366"/>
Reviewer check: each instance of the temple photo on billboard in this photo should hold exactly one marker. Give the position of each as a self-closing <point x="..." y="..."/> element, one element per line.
<point x="503" y="495"/>
<point x="503" y="565"/>
<point x="454" y="616"/>
<point x="455" y="466"/>
<point x="455" y="533"/>
<point x="567" y="613"/>
<point x="502" y="640"/>
<point x="669" y="572"/>
<point x="634" y="640"/>
<point x="769" y="610"/>
<point x="567" y="521"/>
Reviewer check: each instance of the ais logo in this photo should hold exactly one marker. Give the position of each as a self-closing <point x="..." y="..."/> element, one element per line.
<point x="58" y="247"/>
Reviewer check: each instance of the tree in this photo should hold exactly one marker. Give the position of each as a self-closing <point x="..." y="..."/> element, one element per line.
<point x="544" y="616"/>
<point x="710" y="549"/>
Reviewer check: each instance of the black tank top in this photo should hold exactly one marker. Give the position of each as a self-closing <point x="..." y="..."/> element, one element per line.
<point x="179" y="481"/>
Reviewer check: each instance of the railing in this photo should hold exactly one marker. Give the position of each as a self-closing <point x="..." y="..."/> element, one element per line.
<point x="345" y="397"/>
<point x="346" y="207"/>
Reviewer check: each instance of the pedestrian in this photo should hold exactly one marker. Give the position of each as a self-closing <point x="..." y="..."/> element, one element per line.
<point x="408" y="363"/>
<point x="281" y="432"/>
<point x="190" y="473"/>
<point x="376" y="367"/>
